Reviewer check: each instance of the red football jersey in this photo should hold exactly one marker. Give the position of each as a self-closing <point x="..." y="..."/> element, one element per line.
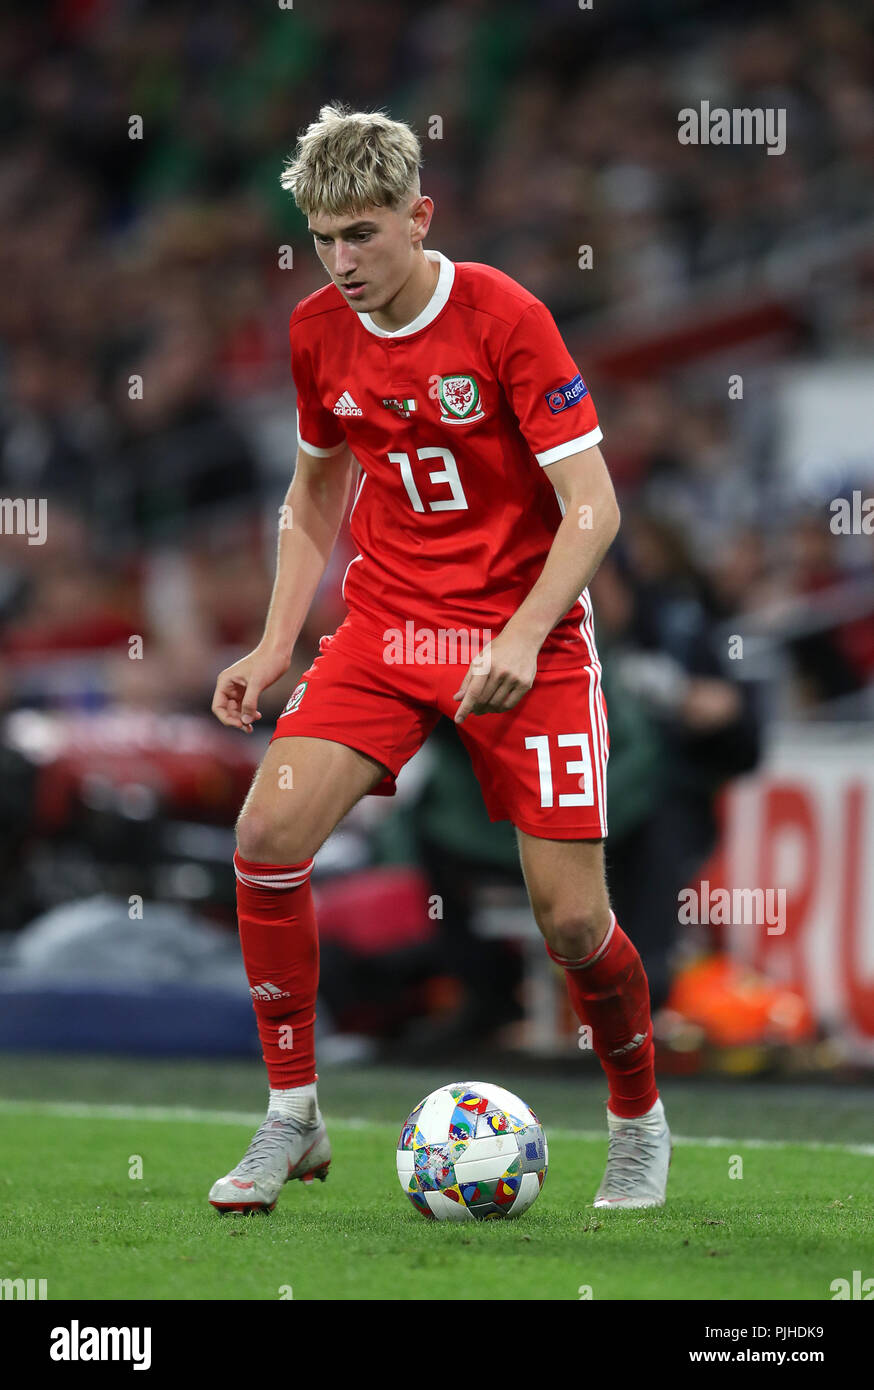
<point x="454" y="420"/>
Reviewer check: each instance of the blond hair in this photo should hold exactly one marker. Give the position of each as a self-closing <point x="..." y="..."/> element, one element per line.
<point x="347" y="161"/>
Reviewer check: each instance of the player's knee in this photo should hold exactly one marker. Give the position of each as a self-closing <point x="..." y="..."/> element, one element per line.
<point x="255" y="838"/>
<point x="264" y="839"/>
<point x="573" y="930"/>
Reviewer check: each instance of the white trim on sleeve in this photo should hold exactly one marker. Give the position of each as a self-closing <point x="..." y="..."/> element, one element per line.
<point x="312" y="449"/>
<point x="573" y="446"/>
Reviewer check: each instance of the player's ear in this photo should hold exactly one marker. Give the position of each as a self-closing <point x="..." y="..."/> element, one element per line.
<point x="421" y="212"/>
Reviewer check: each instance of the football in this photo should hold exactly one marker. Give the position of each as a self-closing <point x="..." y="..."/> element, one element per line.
<point x="472" y="1151"/>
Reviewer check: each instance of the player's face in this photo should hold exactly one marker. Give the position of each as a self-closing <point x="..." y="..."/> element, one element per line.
<point x="369" y="255"/>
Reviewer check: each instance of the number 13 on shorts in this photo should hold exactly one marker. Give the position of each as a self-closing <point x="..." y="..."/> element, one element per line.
<point x="581" y="768"/>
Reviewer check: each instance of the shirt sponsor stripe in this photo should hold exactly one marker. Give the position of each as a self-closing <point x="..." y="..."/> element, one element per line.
<point x="361" y="481"/>
<point x="596" y="709"/>
<point x="346" y="575"/>
<point x="602" y="721"/>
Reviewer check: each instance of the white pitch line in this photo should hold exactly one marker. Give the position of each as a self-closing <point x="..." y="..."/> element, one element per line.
<point x="76" y="1110"/>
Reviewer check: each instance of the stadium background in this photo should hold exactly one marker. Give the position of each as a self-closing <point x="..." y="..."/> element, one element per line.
<point x="725" y="329"/>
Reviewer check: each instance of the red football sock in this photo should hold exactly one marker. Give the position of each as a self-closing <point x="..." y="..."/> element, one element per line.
<point x="610" y="993"/>
<point x="280" y="946"/>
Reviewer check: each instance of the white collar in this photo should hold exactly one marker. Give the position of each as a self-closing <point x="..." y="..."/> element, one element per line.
<point x="431" y="309"/>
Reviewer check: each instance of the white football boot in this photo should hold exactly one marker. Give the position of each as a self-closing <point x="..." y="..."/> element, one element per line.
<point x="638" y="1159"/>
<point x="282" y="1149"/>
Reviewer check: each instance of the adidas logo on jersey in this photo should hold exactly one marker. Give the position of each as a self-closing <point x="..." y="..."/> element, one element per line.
<point x="346" y="406"/>
<point x="268" y="991"/>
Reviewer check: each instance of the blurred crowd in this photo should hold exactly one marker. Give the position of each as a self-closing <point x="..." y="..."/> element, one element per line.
<point x="149" y="262"/>
<point x="153" y="256"/>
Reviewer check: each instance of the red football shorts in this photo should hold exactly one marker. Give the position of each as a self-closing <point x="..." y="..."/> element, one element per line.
<point x="541" y="765"/>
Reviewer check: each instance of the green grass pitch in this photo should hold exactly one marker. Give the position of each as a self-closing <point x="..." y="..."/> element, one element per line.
<point x="800" y="1216"/>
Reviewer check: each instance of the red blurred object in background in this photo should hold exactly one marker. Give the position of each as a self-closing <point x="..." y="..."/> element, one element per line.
<point x="190" y="767"/>
<point x="381" y="909"/>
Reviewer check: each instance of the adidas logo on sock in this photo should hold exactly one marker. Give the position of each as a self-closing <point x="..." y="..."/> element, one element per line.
<point x="629" y="1046"/>
<point x="268" y="991"/>
<point x="346" y="406"/>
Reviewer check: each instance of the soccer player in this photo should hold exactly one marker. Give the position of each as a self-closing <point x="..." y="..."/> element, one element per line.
<point x="482" y="509"/>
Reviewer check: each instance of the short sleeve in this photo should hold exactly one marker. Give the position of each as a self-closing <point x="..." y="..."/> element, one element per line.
<point x="546" y="390"/>
<point x="317" y="428"/>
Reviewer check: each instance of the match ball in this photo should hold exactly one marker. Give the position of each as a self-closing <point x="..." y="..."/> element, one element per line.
<point x="472" y="1151"/>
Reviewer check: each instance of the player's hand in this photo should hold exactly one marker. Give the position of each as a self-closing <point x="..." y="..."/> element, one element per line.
<point x="237" y="688"/>
<point x="498" y="677"/>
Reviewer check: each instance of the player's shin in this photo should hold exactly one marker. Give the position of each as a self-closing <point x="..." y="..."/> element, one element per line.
<point x="610" y="995"/>
<point x="280" y="946"/>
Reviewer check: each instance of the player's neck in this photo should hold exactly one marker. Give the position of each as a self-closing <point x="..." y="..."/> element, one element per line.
<point x="411" y="298"/>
